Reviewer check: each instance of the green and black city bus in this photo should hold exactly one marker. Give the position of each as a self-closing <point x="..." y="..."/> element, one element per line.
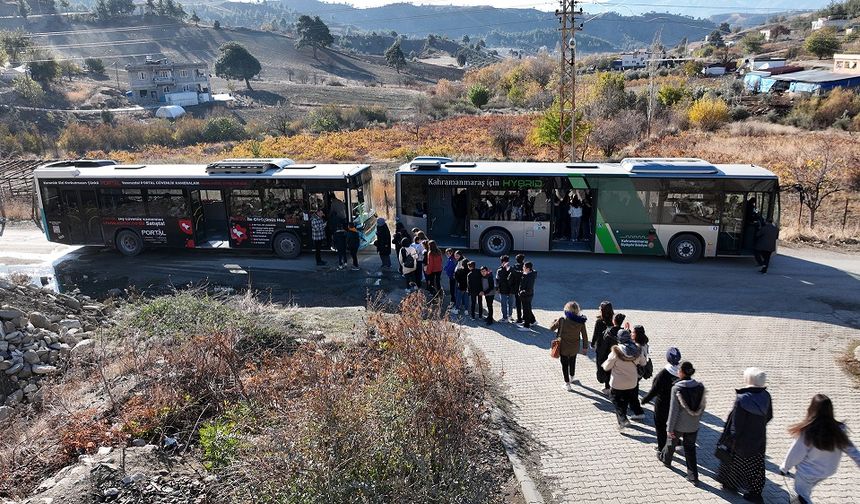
<point x="683" y="208"/>
<point x="234" y="203"/>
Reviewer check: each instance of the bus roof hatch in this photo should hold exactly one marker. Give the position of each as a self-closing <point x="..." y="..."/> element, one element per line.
<point x="248" y="165"/>
<point x="673" y="166"/>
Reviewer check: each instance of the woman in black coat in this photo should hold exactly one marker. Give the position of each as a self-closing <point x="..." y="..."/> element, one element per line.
<point x="745" y="436"/>
<point x="383" y="242"/>
<point x="661" y="391"/>
<point x="400" y="233"/>
<point x="600" y="344"/>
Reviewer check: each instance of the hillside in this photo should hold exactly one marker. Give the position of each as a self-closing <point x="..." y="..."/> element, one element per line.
<point x="120" y="44"/>
<point x="527" y="29"/>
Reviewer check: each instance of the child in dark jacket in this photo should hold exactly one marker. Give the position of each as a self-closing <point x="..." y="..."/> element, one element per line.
<point x="353" y="240"/>
<point x="661" y="389"/>
<point x="338" y="239"/>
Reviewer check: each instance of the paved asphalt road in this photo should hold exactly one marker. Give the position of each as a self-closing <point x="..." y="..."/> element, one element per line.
<point x="723" y="315"/>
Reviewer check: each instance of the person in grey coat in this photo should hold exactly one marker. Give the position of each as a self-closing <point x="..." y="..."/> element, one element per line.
<point x="765" y="244"/>
<point x="685" y="412"/>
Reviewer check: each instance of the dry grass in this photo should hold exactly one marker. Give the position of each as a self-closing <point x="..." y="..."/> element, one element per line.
<point x="16" y="209"/>
<point x="849" y="363"/>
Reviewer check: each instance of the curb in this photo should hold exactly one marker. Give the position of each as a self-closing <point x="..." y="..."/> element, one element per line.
<point x="527" y="484"/>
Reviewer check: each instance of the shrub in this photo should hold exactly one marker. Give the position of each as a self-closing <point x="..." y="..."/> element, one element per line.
<point x="219" y="442"/>
<point x="709" y="114"/>
<point x="188" y="131"/>
<point x="839" y="104"/>
<point x="94" y="65"/>
<point x="324" y="119"/>
<point x="739" y="113"/>
<point x="479" y="95"/>
<point x="669" y="95"/>
<point x="222" y="129"/>
<point x="693" y="68"/>
<point x="28" y="89"/>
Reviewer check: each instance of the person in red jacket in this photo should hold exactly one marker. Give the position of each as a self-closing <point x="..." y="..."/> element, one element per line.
<point x="433" y="268"/>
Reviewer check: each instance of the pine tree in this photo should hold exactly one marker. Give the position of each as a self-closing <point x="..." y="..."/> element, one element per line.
<point x="395" y="57"/>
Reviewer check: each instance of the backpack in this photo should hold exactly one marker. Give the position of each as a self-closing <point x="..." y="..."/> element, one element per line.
<point x="646" y="371"/>
<point x="408" y="260"/>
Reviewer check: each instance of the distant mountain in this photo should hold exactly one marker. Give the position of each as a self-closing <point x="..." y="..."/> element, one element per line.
<point x="527" y="29"/>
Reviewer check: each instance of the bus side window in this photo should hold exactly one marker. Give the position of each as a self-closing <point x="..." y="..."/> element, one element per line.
<point x="413" y="195"/>
<point x="283" y="203"/>
<point x="166" y="203"/>
<point x="51" y="202"/>
<point x="245" y="203"/>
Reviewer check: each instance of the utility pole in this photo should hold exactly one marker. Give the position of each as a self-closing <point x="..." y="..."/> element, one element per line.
<point x="567" y="14"/>
<point x="656" y="46"/>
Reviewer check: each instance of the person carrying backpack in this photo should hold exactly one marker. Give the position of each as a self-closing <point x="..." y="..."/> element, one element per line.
<point x="515" y="279"/>
<point x="338" y="240"/>
<point x="474" y="283"/>
<point x="383" y="242"/>
<point x="503" y="284"/>
<point x="408" y="263"/>
<point x="685" y="412"/>
<point x="624" y="377"/>
<point x="661" y="394"/>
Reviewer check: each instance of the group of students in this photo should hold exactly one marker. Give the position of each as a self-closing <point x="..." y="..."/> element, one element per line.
<point x="471" y="289"/>
<point x="622" y="359"/>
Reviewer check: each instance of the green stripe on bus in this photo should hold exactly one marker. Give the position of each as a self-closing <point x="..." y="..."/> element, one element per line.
<point x="604" y="236"/>
<point x="577" y="182"/>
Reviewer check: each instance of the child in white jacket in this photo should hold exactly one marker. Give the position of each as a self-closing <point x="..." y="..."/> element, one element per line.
<point x="818" y="448"/>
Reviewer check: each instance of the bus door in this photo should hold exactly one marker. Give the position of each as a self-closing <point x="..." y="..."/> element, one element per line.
<point x="446" y="215"/>
<point x="72" y="215"/>
<point x="732" y="224"/>
<point x="209" y="213"/>
<point x="91" y="217"/>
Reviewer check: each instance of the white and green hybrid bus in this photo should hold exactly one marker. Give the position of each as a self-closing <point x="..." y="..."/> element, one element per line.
<point x="682" y="208"/>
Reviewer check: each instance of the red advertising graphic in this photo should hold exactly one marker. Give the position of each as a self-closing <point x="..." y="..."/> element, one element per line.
<point x="238" y="233"/>
<point x="185" y="226"/>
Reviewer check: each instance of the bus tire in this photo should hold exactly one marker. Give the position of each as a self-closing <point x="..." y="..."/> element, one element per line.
<point x="685" y="248"/>
<point x="128" y="243"/>
<point x="287" y="245"/>
<point x="496" y="242"/>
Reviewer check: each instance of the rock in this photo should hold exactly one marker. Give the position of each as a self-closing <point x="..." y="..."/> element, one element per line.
<point x="26" y="371"/>
<point x="5" y="412"/>
<point x="40" y="320"/>
<point x="8" y="326"/>
<point x="69" y="301"/>
<point x="29" y="389"/>
<point x="14" y="336"/>
<point x="32" y="357"/>
<point x="10" y="312"/>
<point x="71" y="324"/>
<point x="138" y="442"/>
<point x="4" y="345"/>
<point x="18" y="366"/>
<point x="83" y="347"/>
<point x="15" y="397"/>
<point x="5" y="364"/>
<point x="857" y="353"/>
<point x="104" y="450"/>
<point x="111" y="492"/>
<point x="42" y="369"/>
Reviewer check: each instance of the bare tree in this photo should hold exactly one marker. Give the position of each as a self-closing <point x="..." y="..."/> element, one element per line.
<point x="505" y="136"/>
<point x="420" y="115"/>
<point x="613" y="133"/>
<point x="819" y="173"/>
<point x="281" y="120"/>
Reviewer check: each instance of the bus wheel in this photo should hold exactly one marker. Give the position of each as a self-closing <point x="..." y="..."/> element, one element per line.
<point x="685" y="248"/>
<point x="497" y="242"/>
<point x="129" y="243"/>
<point x="287" y="245"/>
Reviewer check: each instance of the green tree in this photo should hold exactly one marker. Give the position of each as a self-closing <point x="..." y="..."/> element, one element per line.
<point x="461" y="58"/>
<point x="725" y="27"/>
<point x="395" y="57"/>
<point x="23" y="9"/>
<point x="28" y="89"/>
<point x="548" y="129"/>
<point x="70" y="69"/>
<point x="216" y="25"/>
<point x="716" y="39"/>
<point x="235" y="62"/>
<point x="752" y="42"/>
<point x="195" y="18"/>
<point x="479" y="95"/>
<point x="822" y="43"/>
<point x="44" y="69"/>
<point x="313" y="33"/>
<point x="15" y="43"/>
<point x="668" y="95"/>
<point x="95" y="66"/>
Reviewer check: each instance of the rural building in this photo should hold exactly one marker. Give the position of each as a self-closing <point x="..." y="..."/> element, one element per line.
<point x="846" y="63"/>
<point x="824" y="22"/>
<point x="165" y="82"/>
<point x="763" y="63"/>
<point x="852" y="29"/>
<point x="638" y="59"/>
